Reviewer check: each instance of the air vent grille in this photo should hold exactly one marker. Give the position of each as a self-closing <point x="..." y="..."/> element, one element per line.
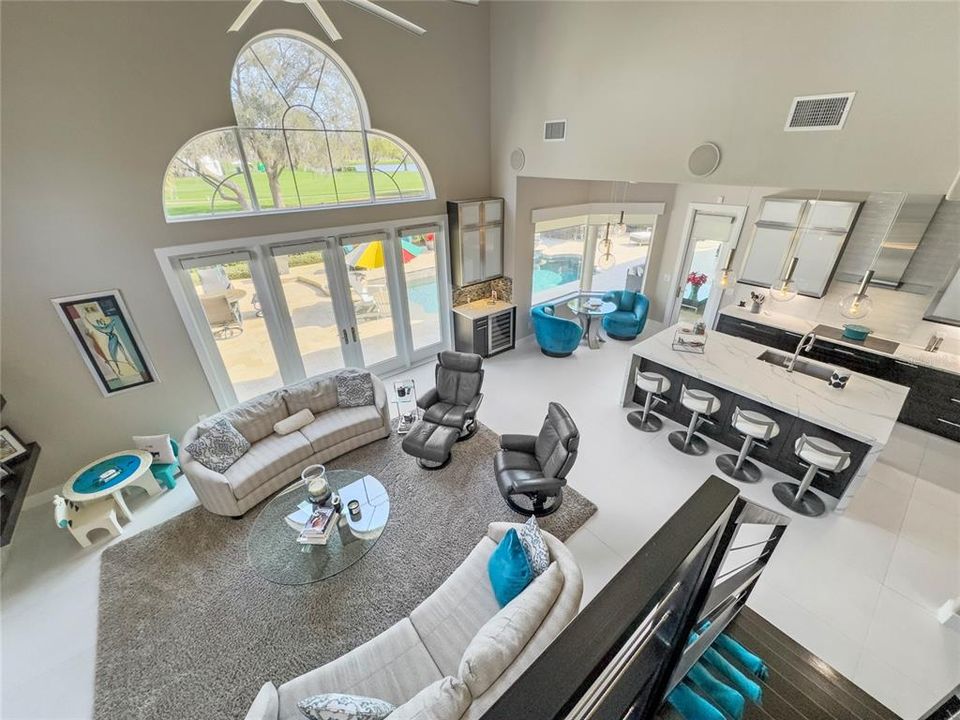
<point x="819" y="112"/>
<point x="555" y="130"/>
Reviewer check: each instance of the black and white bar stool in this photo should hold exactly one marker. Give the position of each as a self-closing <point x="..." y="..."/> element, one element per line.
<point x="819" y="454"/>
<point x="700" y="403"/>
<point x="755" y="427"/>
<point x="654" y="385"/>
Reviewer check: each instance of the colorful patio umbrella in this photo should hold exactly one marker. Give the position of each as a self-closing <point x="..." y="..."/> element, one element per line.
<point x="370" y="255"/>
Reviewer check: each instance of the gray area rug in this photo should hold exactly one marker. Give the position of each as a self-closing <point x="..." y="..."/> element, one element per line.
<point x="187" y="629"/>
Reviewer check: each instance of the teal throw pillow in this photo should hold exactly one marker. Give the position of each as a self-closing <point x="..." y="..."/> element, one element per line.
<point x="509" y="569"/>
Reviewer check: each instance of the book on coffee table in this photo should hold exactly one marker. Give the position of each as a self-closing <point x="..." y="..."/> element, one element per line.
<point x="320" y="525"/>
<point x="298" y="518"/>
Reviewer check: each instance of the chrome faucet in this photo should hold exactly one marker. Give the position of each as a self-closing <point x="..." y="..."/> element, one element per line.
<point x="810" y="338"/>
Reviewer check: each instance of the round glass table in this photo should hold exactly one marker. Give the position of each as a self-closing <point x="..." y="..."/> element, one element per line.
<point x="590" y="310"/>
<point x="275" y="553"/>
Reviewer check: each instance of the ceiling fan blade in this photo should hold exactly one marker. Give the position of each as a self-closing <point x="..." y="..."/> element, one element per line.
<point x="325" y="22"/>
<point x="375" y="9"/>
<point x="244" y="15"/>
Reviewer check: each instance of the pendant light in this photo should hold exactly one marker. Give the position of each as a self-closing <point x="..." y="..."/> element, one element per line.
<point x="785" y="288"/>
<point x="858" y="305"/>
<point x="727" y="276"/>
<point x="606" y="259"/>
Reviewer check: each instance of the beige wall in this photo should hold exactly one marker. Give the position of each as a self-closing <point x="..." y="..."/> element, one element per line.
<point x="641" y="84"/>
<point x="96" y="99"/>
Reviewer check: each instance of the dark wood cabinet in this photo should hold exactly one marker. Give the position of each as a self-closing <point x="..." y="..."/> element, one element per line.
<point x="934" y="400"/>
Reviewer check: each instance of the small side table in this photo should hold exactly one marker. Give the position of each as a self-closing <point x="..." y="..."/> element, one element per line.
<point x="589" y="315"/>
<point x="108" y="476"/>
<point x="405" y="392"/>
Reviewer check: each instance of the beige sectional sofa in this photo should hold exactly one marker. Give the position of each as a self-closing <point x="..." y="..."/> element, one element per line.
<point x="458" y="631"/>
<point x="274" y="461"/>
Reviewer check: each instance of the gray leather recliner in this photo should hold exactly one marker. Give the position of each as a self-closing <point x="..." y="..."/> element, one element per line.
<point x="456" y="398"/>
<point x="536" y="467"/>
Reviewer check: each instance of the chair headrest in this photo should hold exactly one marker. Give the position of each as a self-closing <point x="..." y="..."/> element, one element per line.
<point x="459" y="361"/>
<point x="564" y="426"/>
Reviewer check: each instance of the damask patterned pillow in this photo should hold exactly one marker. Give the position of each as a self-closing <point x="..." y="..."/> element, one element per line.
<point x="534" y="546"/>
<point x="337" y="706"/>
<point x="219" y="447"/>
<point x="354" y="388"/>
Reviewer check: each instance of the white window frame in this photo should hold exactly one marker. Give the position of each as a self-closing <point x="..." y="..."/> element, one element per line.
<point x="263" y="270"/>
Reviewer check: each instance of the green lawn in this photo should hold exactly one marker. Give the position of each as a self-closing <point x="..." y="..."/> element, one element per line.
<point x="191" y="195"/>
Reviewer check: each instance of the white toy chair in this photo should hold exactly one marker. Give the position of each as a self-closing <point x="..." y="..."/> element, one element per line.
<point x="149" y="483"/>
<point x="81" y="518"/>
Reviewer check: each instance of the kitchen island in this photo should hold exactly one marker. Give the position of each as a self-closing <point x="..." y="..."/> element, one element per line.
<point x="859" y="418"/>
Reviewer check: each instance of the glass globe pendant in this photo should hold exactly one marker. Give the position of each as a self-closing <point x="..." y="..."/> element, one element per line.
<point x="606" y="260"/>
<point x="727" y="276"/>
<point x="785" y="288"/>
<point x="858" y="305"/>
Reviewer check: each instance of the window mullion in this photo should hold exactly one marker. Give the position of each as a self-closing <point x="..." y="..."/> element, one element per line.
<point x="366" y="151"/>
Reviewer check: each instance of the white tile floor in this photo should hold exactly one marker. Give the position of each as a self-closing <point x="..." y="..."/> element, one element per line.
<point x="858" y="589"/>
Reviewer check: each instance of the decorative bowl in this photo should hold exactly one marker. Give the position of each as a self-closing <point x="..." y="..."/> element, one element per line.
<point x="856" y="332"/>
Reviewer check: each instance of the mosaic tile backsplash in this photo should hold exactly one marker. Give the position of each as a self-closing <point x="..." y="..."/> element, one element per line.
<point x="471" y="293"/>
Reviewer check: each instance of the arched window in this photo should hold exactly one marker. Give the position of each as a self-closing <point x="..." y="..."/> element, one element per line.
<point x="302" y="140"/>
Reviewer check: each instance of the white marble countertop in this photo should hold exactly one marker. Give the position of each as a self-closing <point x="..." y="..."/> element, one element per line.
<point x="866" y="409"/>
<point x="482" y="308"/>
<point x="948" y="362"/>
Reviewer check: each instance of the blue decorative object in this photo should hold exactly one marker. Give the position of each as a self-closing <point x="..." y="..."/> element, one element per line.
<point x="743" y="656"/>
<point x="557" y="336"/>
<point x="628" y="320"/>
<point x="856" y="332"/>
<point x="509" y="569"/>
<point x="166" y="473"/>
<point x="744" y="685"/>
<point x="106" y="473"/>
<point x="691" y="706"/>
<point x="726" y="698"/>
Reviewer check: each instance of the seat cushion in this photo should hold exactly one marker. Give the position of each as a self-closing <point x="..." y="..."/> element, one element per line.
<point x="255" y="418"/>
<point x="446" y="699"/>
<point x="393" y="666"/>
<point x="266" y="706"/>
<point x="444" y="413"/>
<point x="335" y="426"/>
<point x="430" y="441"/>
<point x="822" y="453"/>
<point x="265" y="460"/>
<point x="317" y="394"/>
<point x="501" y="639"/>
<point x="515" y="460"/>
<point x="622" y="318"/>
<point x="451" y="616"/>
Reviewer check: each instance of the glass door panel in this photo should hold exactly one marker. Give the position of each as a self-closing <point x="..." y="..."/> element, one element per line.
<point x="307" y="291"/>
<point x="706" y="247"/>
<point x="367" y="277"/>
<point x="231" y="310"/>
<point x="421" y="276"/>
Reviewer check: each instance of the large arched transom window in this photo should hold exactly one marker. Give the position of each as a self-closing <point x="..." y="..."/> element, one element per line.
<point x="302" y="140"/>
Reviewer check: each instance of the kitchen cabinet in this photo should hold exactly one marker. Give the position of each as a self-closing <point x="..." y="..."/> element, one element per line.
<point x="933" y="404"/>
<point x="814" y="231"/>
<point x="476" y="240"/>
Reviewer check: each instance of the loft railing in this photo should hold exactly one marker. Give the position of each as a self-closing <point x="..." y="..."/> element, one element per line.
<point x="628" y="648"/>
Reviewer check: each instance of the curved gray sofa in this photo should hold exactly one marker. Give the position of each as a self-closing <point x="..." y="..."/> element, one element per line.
<point x="274" y="461"/>
<point x="429" y="644"/>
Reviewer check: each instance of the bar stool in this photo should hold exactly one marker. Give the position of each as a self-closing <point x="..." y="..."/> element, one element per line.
<point x="820" y="454"/>
<point x="754" y="427"/>
<point x="698" y="402"/>
<point x="654" y="385"/>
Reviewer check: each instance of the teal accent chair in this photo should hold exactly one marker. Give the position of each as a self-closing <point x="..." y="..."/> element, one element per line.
<point x="627" y="321"/>
<point x="166" y="473"/>
<point x="557" y="336"/>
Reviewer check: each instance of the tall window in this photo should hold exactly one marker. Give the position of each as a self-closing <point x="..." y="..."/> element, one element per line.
<point x="577" y="254"/>
<point x="302" y="140"/>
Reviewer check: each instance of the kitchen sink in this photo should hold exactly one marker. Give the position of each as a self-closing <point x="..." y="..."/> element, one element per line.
<point x="801" y="366"/>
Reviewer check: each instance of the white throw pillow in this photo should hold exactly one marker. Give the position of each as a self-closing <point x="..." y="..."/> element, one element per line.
<point x="497" y="644"/>
<point x="446" y="699"/>
<point x="294" y="422"/>
<point x="157" y="445"/>
<point x="266" y="706"/>
<point x="534" y="546"/>
<point x="339" y="706"/>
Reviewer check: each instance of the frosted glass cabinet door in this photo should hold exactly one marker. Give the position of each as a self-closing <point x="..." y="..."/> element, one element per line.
<point x="768" y="255"/>
<point x="492" y="211"/>
<point x="781" y="212"/>
<point x="817" y="251"/>
<point x="492" y="251"/>
<point x="831" y="215"/>
<point x="471" y="260"/>
<point x="469" y="214"/>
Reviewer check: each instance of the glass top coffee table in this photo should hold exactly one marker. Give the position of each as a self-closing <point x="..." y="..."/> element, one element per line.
<point x="275" y="553"/>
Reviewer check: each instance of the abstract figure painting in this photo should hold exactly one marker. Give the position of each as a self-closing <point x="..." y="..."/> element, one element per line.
<point x="107" y="340"/>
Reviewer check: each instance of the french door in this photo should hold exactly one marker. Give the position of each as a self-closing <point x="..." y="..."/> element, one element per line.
<point x="277" y="310"/>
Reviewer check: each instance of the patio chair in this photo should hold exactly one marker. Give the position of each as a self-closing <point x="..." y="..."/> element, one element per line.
<point x="224" y="318"/>
<point x="365" y="304"/>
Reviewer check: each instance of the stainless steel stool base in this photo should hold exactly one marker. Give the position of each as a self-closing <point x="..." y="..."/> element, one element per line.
<point x="808" y="504"/>
<point x="748" y="471"/>
<point x="651" y="424"/>
<point x="697" y="446"/>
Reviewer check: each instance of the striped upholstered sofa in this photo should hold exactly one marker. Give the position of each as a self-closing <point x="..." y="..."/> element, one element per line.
<point x="274" y="461"/>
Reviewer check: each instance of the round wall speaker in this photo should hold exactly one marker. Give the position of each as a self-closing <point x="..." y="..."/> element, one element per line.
<point x="704" y="159"/>
<point x="517" y="159"/>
